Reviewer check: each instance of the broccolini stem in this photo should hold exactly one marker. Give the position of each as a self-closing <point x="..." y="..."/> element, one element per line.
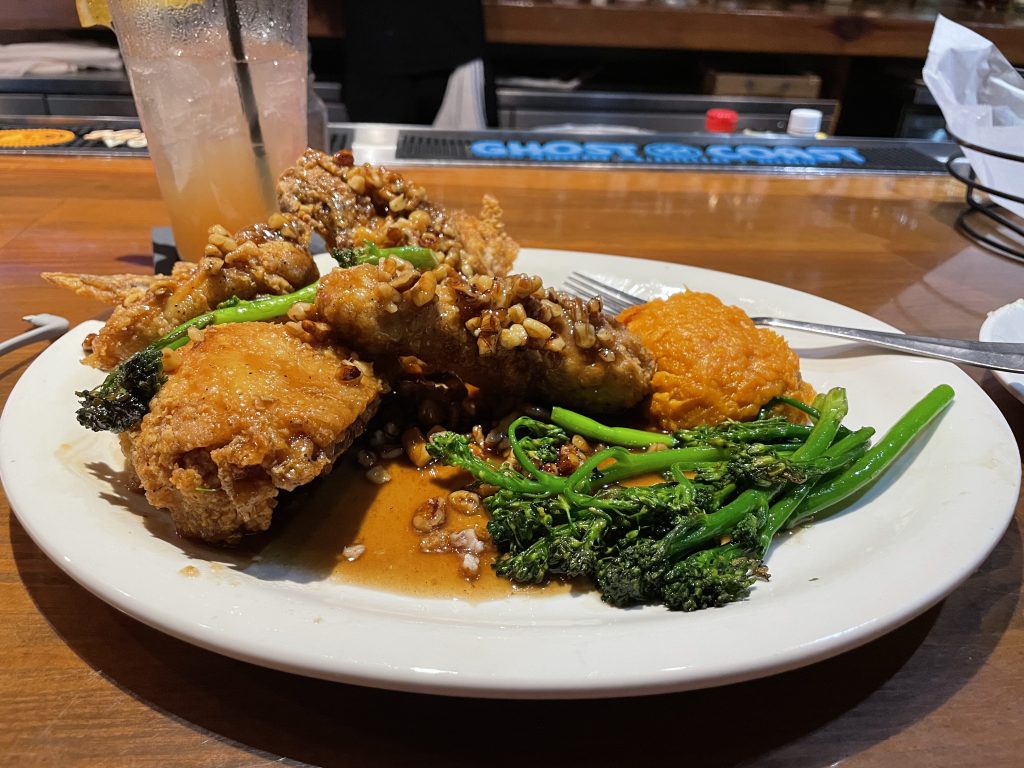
<point x="779" y="514"/>
<point x="263" y="308"/>
<point x="585" y="470"/>
<point x="842" y="454"/>
<point x="584" y="426"/>
<point x="633" y="464"/>
<point x="878" y="458"/>
<point x="370" y="253"/>
<point x="792" y="402"/>
<point x="552" y="482"/>
<point x="818" y="445"/>
<point x="830" y="419"/>
<point x="769" y="430"/>
<point x="810" y="410"/>
<point x="852" y="441"/>
<point x="684" y="539"/>
<point x="453" y="449"/>
<point x="720" y="496"/>
<point x="684" y="482"/>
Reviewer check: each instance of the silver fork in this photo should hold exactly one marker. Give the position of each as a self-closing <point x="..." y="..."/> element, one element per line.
<point x="999" y="356"/>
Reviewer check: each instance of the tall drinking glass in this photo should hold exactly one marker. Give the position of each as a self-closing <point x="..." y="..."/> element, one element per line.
<point x="205" y="109"/>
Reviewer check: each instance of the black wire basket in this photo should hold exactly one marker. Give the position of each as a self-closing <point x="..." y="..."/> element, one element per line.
<point x="1007" y="234"/>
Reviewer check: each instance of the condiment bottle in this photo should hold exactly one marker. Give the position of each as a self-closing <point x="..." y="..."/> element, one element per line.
<point x="804" y="122"/>
<point x="720" y="121"/>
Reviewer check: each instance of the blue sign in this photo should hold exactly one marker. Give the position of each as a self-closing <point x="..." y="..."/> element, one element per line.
<point x="566" y="150"/>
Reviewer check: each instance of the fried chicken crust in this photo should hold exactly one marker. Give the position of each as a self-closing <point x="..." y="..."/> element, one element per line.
<point x="349" y="204"/>
<point x="251" y="410"/>
<point x="255" y="261"/>
<point x="108" y="289"/>
<point x="509" y="336"/>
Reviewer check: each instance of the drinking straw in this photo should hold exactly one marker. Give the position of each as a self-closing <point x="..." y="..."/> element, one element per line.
<point x="247" y="94"/>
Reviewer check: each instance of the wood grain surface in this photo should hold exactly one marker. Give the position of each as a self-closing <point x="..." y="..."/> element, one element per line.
<point x="83" y="685"/>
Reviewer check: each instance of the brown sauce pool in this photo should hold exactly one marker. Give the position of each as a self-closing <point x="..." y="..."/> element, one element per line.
<point x="344" y="508"/>
<point x="313" y="525"/>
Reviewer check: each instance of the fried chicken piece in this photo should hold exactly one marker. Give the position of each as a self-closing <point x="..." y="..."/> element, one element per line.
<point x="259" y="260"/>
<point x="251" y="409"/>
<point x="506" y="335"/>
<point x="108" y="289"/>
<point x="349" y="204"/>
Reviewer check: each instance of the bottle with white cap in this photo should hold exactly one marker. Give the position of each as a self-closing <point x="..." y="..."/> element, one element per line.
<point x="804" y="122"/>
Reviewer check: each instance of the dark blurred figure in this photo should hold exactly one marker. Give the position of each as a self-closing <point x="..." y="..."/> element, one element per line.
<point x="401" y="54"/>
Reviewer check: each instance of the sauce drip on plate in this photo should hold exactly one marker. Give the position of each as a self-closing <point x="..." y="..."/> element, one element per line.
<point x="311" y="531"/>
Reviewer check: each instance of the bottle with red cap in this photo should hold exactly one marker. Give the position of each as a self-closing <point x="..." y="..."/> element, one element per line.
<point x="720" y="121"/>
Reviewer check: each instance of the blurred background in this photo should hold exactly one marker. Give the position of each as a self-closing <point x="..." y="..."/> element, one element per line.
<point x="652" y="65"/>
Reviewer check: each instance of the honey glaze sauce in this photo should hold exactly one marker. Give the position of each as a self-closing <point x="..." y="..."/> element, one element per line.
<point x="346" y="509"/>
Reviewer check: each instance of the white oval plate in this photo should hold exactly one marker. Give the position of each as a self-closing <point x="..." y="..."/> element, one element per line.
<point x="896" y="552"/>
<point x="1006" y="324"/>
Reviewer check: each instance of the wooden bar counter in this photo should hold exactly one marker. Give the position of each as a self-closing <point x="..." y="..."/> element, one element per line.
<point x="82" y="684"/>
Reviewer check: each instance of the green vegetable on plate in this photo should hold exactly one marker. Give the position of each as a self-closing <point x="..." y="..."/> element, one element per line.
<point x="698" y="536"/>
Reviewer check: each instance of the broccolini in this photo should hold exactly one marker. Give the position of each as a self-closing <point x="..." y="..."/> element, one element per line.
<point x="697" y="539"/>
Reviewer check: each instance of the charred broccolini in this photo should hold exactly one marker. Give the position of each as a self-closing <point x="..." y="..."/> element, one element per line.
<point x="699" y="538"/>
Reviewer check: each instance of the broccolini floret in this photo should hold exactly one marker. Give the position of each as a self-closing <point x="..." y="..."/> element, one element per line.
<point x="638" y="572"/>
<point x="121" y="401"/>
<point x="711" y="578"/>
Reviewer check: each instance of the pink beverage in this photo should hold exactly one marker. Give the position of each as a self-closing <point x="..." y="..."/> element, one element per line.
<point x="186" y="88"/>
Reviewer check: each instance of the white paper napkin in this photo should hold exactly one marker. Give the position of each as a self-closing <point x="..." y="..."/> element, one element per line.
<point x="982" y="99"/>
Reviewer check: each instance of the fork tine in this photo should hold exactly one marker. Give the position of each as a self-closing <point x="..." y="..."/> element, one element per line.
<point x="604" y="289"/>
<point x="584" y="291"/>
<point x="614" y="299"/>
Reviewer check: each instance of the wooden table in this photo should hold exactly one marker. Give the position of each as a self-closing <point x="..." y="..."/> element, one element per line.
<point x="81" y="684"/>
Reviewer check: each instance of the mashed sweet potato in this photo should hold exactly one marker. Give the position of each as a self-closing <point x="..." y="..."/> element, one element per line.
<point x="713" y="363"/>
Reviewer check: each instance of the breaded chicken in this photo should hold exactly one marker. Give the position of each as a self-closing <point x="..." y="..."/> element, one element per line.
<point x="509" y="336"/>
<point x="250" y="410"/>
<point x="350" y="204"/>
<point x="107" y="289"/>
<point x="258" y="260"/>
